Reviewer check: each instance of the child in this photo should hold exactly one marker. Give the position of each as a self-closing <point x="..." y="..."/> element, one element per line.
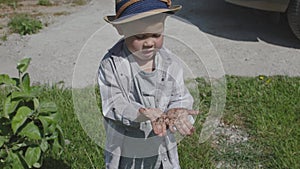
<point x="144" y="99"/>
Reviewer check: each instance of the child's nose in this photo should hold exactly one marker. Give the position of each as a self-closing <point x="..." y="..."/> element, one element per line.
<point x="149" y="42"/>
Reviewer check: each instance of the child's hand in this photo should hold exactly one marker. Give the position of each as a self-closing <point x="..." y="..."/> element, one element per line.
<point x="159" y="126"/>
<point x="151" y="113"/>
<point x="157" y="120"/>
<point x="178" y="117"/>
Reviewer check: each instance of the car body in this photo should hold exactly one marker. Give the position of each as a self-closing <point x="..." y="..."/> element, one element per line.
<point x="291" y="7"/>
<point x="267" y="5"/>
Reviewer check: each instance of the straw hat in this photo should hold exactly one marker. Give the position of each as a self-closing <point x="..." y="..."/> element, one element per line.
<point x="131" y="10"/>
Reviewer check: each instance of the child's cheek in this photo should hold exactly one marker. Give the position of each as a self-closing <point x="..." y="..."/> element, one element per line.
<point x="137" y="45"/>
<point x="159" y="42"/>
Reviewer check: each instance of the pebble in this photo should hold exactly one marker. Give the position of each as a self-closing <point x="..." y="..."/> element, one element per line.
<point x="226" y="136"/>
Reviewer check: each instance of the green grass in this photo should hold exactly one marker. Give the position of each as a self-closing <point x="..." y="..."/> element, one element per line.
<point x="81" y="152"/>
<point x="267" y="108"/>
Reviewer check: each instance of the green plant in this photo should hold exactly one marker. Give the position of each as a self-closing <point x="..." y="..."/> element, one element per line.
<point x="44" y="2"/>
<point x="267" y="108"/>
<point x="12" y="3"/>
<point x="4" y="37"/>
<point x="79" y="2"/>
<point x="29" y="126"/>
<point x="24" y="24"/>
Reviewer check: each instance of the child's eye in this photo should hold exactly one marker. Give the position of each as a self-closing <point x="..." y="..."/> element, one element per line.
<point x="144" y="36"/>
<point x="156" y="35"/>
<point x="140" y="36"/>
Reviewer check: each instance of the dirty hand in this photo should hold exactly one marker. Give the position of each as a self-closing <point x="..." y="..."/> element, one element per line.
<point x="179" y="118"/>
<point x="151" y="113"/>
<point x="157" y="120"/>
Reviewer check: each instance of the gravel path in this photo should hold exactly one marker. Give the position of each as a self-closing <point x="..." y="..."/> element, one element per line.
<point x="54" y="50"/>
<point x="245" y="48"/>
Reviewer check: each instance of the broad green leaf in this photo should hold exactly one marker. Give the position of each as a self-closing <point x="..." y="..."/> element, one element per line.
<point x="61" y="138"/>
<point x="56" y="117"/>
<point x="26" y="83"/>
<point x="16" y="81"/>
<point x="56" y="147"/>
<point x="44" y="145"/>
<point x="15" y="147"/>
<point x="37" y="165"/>
<point x="52" y="137"/>
<point x="3" y="139"/>
<point x="5" y="79"/>
<point x="36" y="103"/>
<point x="21" y="95"/>
<point x="31" y="131"/>
<point x="5" y="127"/>
<point x="47" y="107"/>
<point x="13" y="106"/>
<point x="15" y="160"/>
<point x="6" y="106"/>
<point x="3" y="154"/>
<point x="32" y="155"/>
<point x="20" y="118"/>
<point x="10" y="106"/>
<point x="36" y="90"/>
<point x="18" y="146"/>
<point x="23" y="65"/>
<point x="52" y="128"/>
<point x="46" y="121"/>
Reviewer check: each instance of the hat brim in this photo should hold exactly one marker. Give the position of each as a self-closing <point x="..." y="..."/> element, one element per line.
<point x="112" y="18"/>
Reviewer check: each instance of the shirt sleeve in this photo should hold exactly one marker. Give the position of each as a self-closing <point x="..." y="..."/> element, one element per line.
<point x="116" y="104"/>
<point x="180" y="97"/>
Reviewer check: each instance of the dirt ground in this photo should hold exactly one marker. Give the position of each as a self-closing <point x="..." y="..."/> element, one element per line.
<point x="76" y="37"/>
<point x="46" y="14"/>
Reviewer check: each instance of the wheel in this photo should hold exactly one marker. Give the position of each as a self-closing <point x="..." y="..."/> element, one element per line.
<point x="293" y="14"/>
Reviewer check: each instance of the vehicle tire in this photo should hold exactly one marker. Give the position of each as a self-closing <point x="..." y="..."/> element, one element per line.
<point x="293" y="14"/>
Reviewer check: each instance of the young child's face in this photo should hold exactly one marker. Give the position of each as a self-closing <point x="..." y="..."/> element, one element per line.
<point x="143" y="37"/>
<point x="144" y="46"/>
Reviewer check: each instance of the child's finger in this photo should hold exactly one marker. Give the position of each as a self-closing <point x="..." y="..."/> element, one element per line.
<point x="193" y="112"/>
<point x="186" y="130"/>
<point x="172" y="128"/>
<point x="189" y="127"/>
<point x="184" y="126"/>
<point x="181" y="129"/>
<point x="159" y="128"/>
<point x="164" y="129"/>
<point x="142" y="110"/>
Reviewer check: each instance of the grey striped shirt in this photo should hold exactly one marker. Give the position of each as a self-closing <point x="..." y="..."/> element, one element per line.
<point x="124" y="87"/>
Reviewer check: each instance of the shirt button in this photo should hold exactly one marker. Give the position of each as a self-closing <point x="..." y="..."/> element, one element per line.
<point x="165" y="159"/>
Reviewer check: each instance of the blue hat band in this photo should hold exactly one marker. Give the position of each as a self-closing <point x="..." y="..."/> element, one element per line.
<point x="139" y="7"/>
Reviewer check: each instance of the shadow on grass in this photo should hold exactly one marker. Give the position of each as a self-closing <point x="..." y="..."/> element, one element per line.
<point x="51" y="163"/>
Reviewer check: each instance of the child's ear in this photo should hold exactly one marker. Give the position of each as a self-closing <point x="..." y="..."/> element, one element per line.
<point x="119" y="29"/>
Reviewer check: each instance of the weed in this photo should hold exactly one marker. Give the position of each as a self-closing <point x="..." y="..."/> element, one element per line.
<point x="12" y="3"/>
<point x="79" y="2"/>
<point x="29" y="126"/>
<point x="44" y="3"/>
<point x="4" y="37"/>
<point x="24" y="24"/>
<point x="61" y="13"/>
